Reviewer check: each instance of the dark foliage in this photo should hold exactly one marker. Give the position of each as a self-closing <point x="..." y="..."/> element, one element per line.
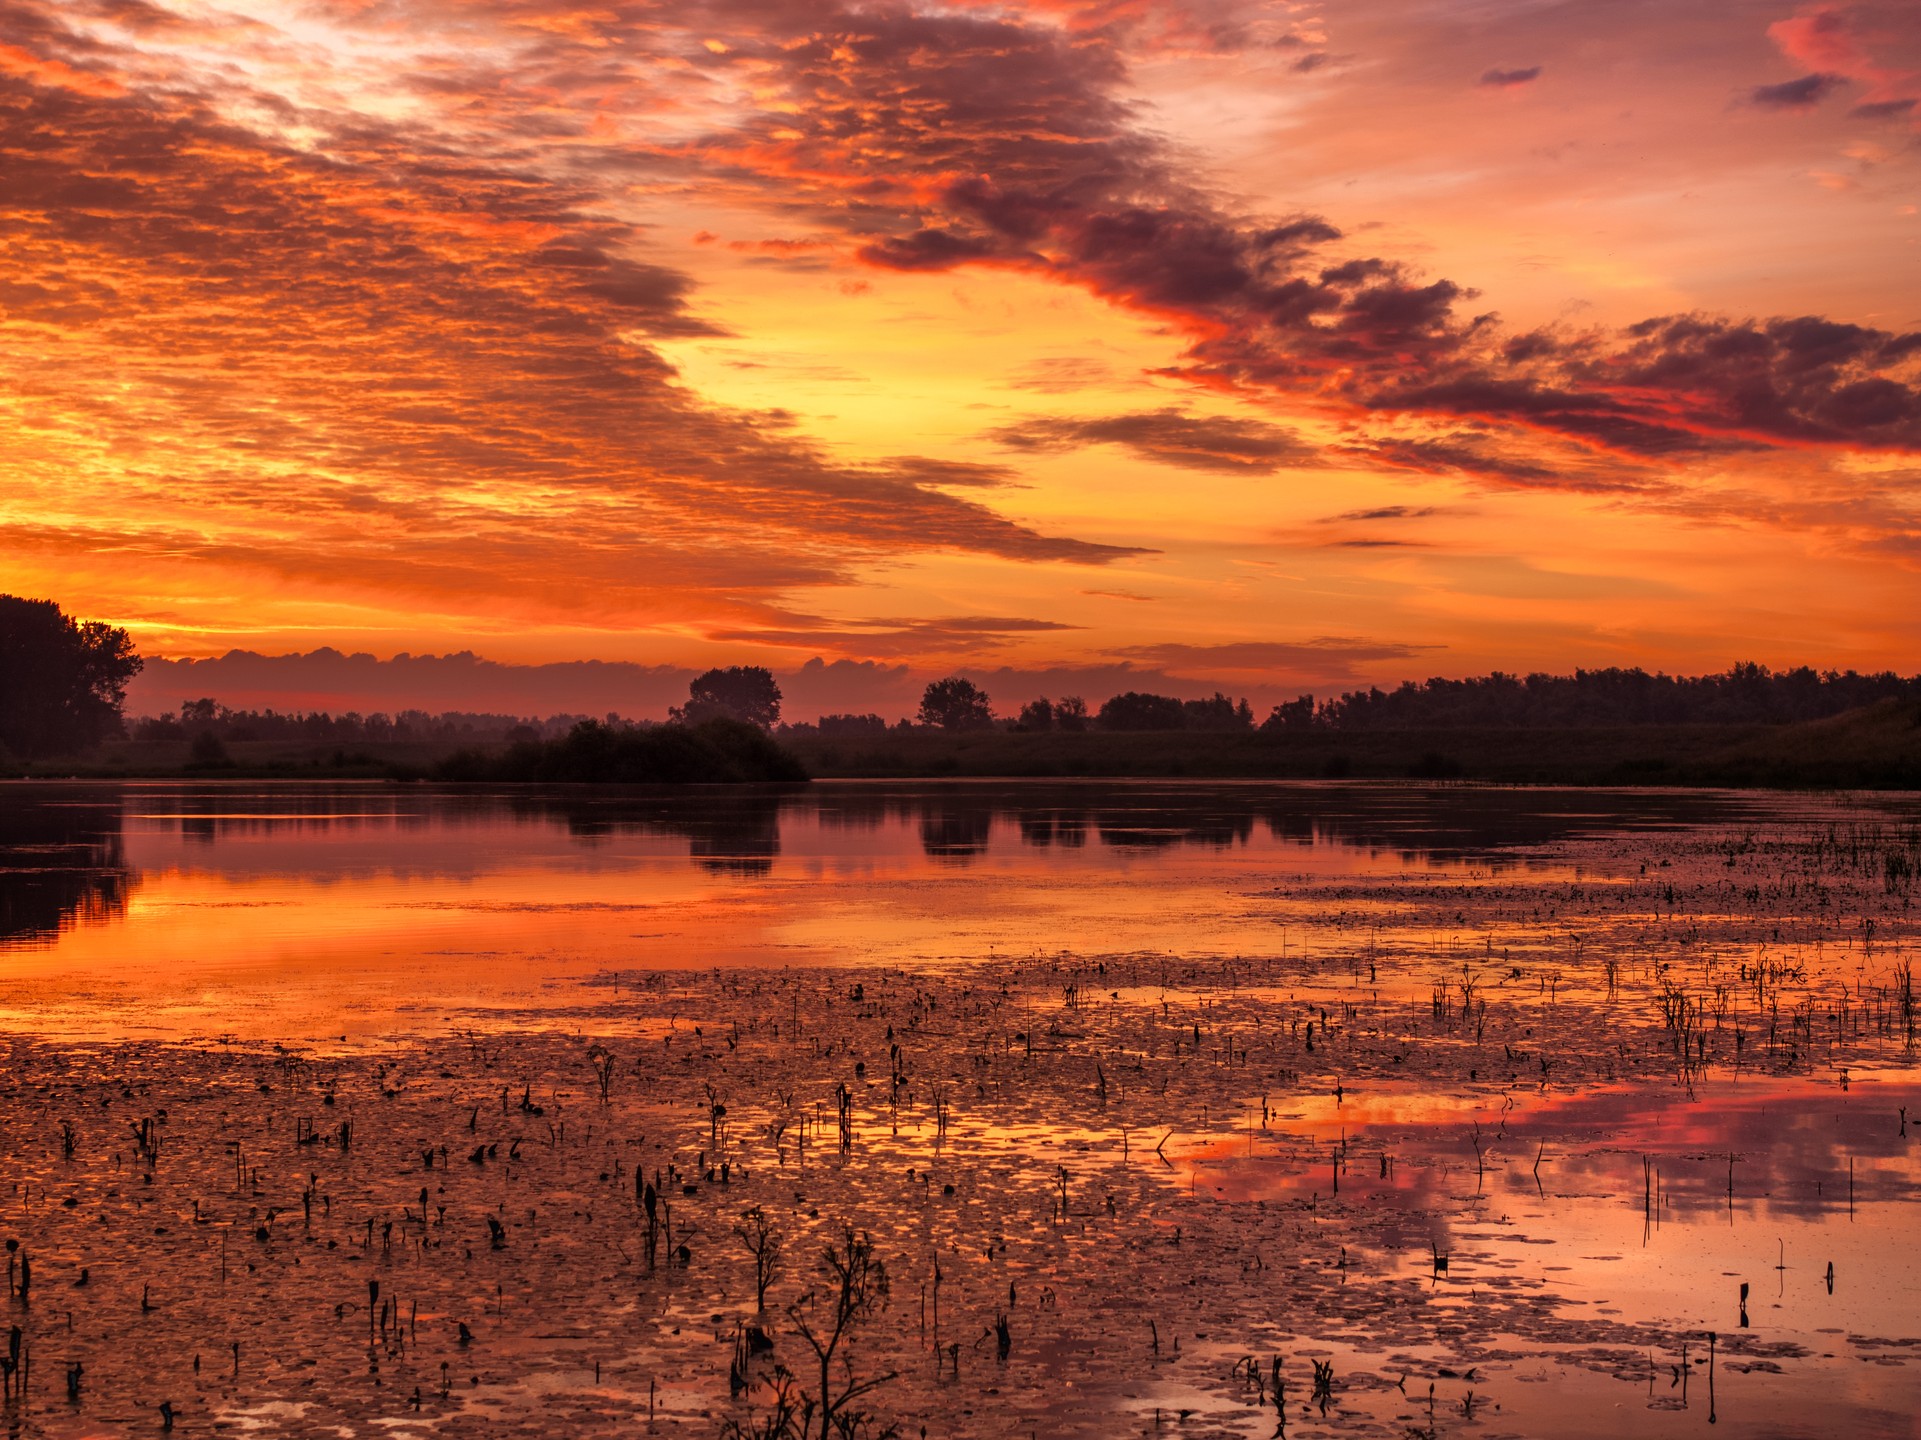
<point x="1036" y="716"/>
<point x="208" y="752"/>
<point x="737" y="692"/>
<point x="955" y="704"/>
<point x="852" y="725"/>
<point x="62" y="681"/>
<point x="1217" y="713"/>
<point x="1134" y="710"/>
<point x="713" y="752"/>
<point x="1746" y="694"/>
<point x="349" y="726"/>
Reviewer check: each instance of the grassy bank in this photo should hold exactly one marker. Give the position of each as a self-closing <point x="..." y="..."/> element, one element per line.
<point x="1878" y="747"/>
<point x="1875" y="748"/>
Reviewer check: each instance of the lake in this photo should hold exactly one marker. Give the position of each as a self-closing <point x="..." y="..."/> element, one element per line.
<point x="1523" y="1112"/>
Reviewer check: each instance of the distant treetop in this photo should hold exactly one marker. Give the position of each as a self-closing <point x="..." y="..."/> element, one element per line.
<point x="738" y="692"/>
<point x="955" y="704"/>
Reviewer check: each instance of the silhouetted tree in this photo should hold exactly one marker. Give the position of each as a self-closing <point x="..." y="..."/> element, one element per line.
<point x="955" y="704"/>
<point x="852" y="725"/>
<point x="1217" y="713"/>
<point x="1036" y="715"/>
<point x="1294" y="717"/>
<point x="1070" y="713"/>
<point x="713" y="752"/>
<point x="853" y="1289"/>
<point x="1134" y="710"/>
<point x="1745" y="694"/>
<point x="739" y="692"/>
<point x="62" y="681"/>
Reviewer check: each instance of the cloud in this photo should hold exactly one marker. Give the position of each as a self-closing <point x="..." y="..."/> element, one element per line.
<point x="405" y="342"/>
<point x="1508" y="79"/>
<point x="1007" y="144"/>
<point x="372" y="360"/>
<point x="1852" y="43"/>
<point x="1061" y="374"/>
<point x="943" y="635"/>
<point x="1170" y="437"/>
<point x="1802" y="94"/>
<point x="1322" y="660"/>
<point x="1383" y="512"/>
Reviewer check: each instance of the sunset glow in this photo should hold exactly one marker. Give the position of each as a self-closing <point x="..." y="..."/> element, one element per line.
<point x="1267" y="345"/>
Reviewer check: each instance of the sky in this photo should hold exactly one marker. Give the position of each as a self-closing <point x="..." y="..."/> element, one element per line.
<point x="1262" y="345"/>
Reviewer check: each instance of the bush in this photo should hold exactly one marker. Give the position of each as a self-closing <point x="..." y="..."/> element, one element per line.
<point x="715" y="751"/>
<point x="208" y="752"/>
<point x="1137" y="711"/>
<point x="1036" y="715"/>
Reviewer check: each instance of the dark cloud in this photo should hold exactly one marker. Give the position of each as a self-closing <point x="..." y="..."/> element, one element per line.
<point x="921" y="470"/>
<point x="1385" y="512"/>
<point x="930" y="249"/>
<point x="1062" y="374"/>
<point x="1883" y="110"/>
<point x="1801" y="94"/>
<point x="1324" y="658"/>
<point x="1056" y="177"/>
<point x="1474" y="456"/>
<point x="1508" y="79"/>
<point x="1171" y="437"/>
<point x="954" y="634"/>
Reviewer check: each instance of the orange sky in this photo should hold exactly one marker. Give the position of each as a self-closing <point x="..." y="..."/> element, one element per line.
<point x="1256" y="343"/>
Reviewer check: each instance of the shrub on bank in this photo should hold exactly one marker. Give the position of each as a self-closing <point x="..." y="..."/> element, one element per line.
<point x="717" y="751"/>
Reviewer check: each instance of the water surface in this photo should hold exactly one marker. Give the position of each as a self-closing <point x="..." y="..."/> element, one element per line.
<point x="1559" y="1113"/>
<point x="290" y="910"/>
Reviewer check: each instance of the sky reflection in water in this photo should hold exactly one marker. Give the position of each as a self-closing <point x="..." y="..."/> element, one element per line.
<point x="308" y="908"/>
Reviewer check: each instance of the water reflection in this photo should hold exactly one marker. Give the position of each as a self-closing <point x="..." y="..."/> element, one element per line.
<point x="60" y="863"/>
<point x="73" y="853"/>
<point x="340" y="906"/>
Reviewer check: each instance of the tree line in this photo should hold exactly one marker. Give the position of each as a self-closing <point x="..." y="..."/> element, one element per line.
<point x="63" y="687"/>
<point x="1744" y="694"/>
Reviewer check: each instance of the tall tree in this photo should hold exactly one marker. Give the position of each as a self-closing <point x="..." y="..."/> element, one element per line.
<point x="1136" y="710"/>
<point x="955" y="704"/>
<point x="62" y="681"/>
<point x="738" y="692"/>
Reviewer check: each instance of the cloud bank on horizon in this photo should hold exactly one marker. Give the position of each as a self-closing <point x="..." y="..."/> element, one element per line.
<point x="1033" y="337"/>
